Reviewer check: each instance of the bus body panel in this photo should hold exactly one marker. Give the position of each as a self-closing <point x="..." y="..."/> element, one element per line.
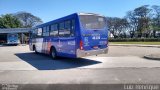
<point x="94" y="41"/>
<point x="38" y="44"/>
<point x="67" y="45"/>
<point x="63" y="46"/>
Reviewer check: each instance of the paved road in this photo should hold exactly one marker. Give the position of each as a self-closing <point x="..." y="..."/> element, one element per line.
<point x="20" y="58"/>
<point x="121" y="65"/>
<point x="119" y="51"/>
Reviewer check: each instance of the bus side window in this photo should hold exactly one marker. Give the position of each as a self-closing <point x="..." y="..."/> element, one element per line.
<point x="73" y="27"/>
<point x="33" y="34"/>
<point x="61" y="29"/>
<point x="54" y="30"/>
<point x="39" y="32"/>
<point x="47" y="31"/>
<point x="44" y="31"/>
<point x="67" y="28"/>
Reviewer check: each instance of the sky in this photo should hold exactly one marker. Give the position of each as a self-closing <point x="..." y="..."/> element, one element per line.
<point x="49" y="10"/>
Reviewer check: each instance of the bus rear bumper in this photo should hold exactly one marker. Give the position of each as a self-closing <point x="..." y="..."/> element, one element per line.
<point x="82" y="53"/>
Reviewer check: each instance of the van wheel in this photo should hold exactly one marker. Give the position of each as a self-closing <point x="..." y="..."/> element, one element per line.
<point x="53" y="53"/>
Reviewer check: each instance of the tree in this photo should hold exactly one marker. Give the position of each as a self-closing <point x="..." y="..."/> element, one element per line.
<point x="143" y="21"/>
<point x="9" y="21"/>
<point x="156" y="19"/>
<point x="111" y="21"/>
<point x="28" y="20"/>
<point x="143" y="17"/>
<point x="139" y="21"/>
<point x="117" y="26"/>
<point x="132" y="23"/>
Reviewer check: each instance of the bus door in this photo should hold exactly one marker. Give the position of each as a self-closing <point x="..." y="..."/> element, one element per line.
<point x="46" y="40"/>
<point x="39" y="40"/>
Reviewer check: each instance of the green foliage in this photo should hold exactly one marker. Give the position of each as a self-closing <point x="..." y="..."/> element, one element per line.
<point x="143" y="20"/>
<point x="27" y="19"/>
<point x="19" y="20"/>
<point x="9" y="21"/>
<point x="117" y="25"/>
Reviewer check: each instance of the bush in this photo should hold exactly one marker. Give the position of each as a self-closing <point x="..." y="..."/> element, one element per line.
<point x="134" y="40"/>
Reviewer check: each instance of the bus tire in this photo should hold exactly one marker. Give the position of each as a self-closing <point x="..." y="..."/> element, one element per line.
<point x="53" y="53"/>
<point x="35" y="50"/>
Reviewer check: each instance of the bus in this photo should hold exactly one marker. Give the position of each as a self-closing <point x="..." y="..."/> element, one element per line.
<point x="74" y="36"/>
<point x="12" y="39"/>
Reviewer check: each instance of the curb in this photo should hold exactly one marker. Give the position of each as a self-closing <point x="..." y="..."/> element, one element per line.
<point x="135" y="45"/>
<point x="152" y="56"/>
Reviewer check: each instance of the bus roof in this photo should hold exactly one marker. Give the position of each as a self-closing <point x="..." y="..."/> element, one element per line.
<point x="71" y="15"/>
<point x="90" y="14"/>
<point x="56" y="20"/>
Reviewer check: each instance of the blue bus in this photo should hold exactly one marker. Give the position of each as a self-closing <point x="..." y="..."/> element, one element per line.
<point x="76" y="35"/>
<point x="12" y="39"/>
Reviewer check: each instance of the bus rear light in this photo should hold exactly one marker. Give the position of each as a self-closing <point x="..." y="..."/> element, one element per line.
<point x="81" y="45"/>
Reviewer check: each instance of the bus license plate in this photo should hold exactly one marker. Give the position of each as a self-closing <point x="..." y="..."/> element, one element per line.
<point x="95" y="47"/>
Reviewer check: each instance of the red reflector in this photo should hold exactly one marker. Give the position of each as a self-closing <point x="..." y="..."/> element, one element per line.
<point x="81" y="45"/>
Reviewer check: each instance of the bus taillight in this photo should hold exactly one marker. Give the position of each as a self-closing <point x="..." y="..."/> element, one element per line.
<point x="81" y="45"/>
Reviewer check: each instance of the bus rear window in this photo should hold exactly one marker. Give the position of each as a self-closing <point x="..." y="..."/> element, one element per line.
<point x="92" y="22"/>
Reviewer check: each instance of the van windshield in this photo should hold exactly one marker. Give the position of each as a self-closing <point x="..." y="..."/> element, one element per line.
<point x="92" y="22"/>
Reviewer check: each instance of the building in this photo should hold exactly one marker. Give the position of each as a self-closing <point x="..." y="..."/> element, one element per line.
<point x="23" y="34"/>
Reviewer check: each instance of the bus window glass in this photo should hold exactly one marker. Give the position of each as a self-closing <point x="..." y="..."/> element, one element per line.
<point x="67" y="28"/>
<point x="54" y="30"/>
<point x="61" y="29"/>
<point x="72" y="27"/>
<point x="34" y="33"/>
<point x="44" y="31"/>
<point x="92" y="22"/>
<point x="39" y="32"/>
<point x="47" y="31"/>
<point x="67" y="25"/>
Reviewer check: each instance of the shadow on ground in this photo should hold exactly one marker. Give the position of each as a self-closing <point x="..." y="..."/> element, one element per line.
<point x="44" y="62"/>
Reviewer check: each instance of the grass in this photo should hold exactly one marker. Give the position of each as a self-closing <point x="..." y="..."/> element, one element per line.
<point x="145" y="43"/>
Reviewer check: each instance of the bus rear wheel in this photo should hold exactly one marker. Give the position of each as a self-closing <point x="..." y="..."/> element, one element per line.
<point x="35" y="50"/>
<point x="53" y="53"/>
